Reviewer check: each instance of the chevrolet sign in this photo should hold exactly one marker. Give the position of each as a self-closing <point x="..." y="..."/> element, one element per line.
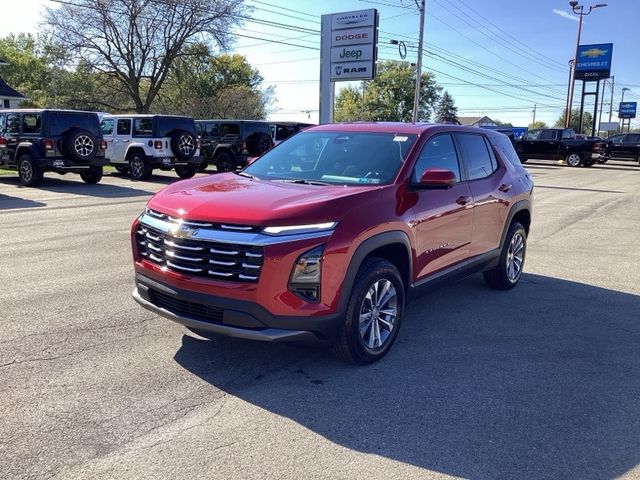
<point x="593" y="62"/>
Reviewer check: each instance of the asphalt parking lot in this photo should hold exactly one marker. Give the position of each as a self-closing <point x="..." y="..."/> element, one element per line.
<point x="539" y="382"/>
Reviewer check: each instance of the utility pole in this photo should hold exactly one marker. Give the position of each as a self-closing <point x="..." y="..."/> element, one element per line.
<point x="604" y="88"/>
<point x="416" y="98"/>
<point x="613" y="80"/>
<point x="535" y="105"/>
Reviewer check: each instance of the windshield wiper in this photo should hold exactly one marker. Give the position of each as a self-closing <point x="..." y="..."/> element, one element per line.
<point x="248" y="175"/>
<point x="304" y="181"/>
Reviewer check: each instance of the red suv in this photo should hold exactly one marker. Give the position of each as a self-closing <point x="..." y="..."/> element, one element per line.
<point x="321" y="238"/>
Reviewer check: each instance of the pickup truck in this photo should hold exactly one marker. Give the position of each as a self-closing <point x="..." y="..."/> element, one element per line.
<point x="557" y="144"/>
<point x="621" y="147"/>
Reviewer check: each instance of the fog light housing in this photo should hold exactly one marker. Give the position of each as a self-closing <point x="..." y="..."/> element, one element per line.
<point x="305" y="275"/>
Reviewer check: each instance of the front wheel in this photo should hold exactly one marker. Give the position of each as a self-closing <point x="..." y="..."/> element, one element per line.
<point x="225" y="162"/>
<point x="509" y="270"/>
<point x="573" y="159"/>
<point x="28" y="171"/>
<point x="139" y="167"/>
<point x="92" y="175"/>
<point x="187" y="171"/>
<point x="374" y="313"/>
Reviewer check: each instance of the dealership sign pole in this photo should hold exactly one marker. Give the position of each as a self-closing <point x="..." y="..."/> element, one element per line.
<point x="593" y="63"/>
<point x="348" y="51"/>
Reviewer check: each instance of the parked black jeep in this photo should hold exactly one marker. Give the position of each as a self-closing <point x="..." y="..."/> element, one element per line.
<point x="228" y="144"/>
<point x="61" y="141"/>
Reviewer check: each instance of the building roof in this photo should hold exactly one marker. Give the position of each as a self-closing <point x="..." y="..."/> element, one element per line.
<point x="7" y="91"/>
<point x="475" y="120"/>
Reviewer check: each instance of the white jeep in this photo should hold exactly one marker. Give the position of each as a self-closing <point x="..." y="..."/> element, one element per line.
<point x="139" y="143"/>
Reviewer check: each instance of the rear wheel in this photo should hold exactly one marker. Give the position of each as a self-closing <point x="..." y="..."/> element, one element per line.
<point x="139" y="167"/>
<point x="573" y="159"/>
<point x="509" y="270"/>
<point x="92" y="175"/>
<point x="187" y="171"/>
<point x="225" y="162"/>
<point x="374" y="313"/>
<point x="28" y="171"/>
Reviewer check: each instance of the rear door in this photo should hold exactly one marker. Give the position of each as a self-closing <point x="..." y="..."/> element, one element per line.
<point x="630" y="147"/>
<point x="122" y="139"/>
<point x="444" y="218"/>
<point x="548" y="145"/>
<point x="486" y="179"/>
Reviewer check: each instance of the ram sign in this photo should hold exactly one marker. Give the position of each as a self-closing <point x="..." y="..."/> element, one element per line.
<point x="593" y="62"/>
<point x="627" y="109"/>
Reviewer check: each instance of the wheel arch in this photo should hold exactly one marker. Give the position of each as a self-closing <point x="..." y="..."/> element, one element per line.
<point x="521" y="212"/>
<point x="135" y="149"/>
<point x="393" y="246"/>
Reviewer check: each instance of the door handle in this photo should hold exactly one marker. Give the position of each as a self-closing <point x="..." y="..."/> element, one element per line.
<point x="463" y="200"/>
<point x="125" y="141"/>
<point x="504" y="187"/>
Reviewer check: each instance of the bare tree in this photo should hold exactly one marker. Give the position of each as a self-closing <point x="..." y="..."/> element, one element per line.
<point x="136" y="41"/>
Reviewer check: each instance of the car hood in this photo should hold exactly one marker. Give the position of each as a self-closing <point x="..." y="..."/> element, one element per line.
<point x="233" y="199"/>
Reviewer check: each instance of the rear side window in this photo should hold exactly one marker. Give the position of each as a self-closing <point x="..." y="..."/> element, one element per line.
<point x="13" y="124"/>
<point x="1" y="123"/>
<point x="211" y="130"/>
<point x="31" y="123"/>
<point x="229" y="129"/>
<point x="61" y="122"/>
<point x="124" y="126"/>
<point x="505" y="147"/>
<point x="439" y="152"/>
<point x="285" y="131"/>
<point x="143" y="127"/>
<point x="548" y="135"/>
<point x="569" y="134"/>
<point x="165" y="126"/>
<point x="476" y="156"/>
<point x="107" y="126"/>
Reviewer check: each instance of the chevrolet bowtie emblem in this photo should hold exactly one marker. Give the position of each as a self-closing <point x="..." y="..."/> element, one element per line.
<point x="182" y="231"/>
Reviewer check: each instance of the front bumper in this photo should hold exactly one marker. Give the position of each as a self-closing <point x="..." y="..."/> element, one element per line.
<point x="232" y="317"/>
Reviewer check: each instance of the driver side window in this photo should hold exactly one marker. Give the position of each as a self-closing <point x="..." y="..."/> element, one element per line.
<point x="439" y="152"/>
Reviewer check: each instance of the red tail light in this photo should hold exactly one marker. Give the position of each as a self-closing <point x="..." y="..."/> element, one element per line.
<point x="157" y="144"/>
<point x="3" y="141"/>
<point x="47" y="144"/>
<point x="103" y="145"/>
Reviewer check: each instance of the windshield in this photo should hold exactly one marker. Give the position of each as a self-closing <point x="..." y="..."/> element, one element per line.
<point x="340" y="158"/>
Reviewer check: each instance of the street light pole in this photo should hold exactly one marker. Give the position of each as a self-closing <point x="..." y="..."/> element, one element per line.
<point x="578" y="10"/>
<point x="621" y="120"/>
<point x="416" y="98"/>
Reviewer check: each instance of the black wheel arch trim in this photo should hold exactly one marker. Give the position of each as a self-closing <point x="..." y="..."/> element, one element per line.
<point x="515" y="208"/>
<point x="363" y="250"/>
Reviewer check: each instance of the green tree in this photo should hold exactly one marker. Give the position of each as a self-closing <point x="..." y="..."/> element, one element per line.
<point x="587" y="121"/>
<point x="27" y="69"/>
<point x="389" y="97"/>
<point x="537" y="124"/>
<point x="134" y="42"/>
<point x="502" y="124"/>
<point x="447" y="112"/>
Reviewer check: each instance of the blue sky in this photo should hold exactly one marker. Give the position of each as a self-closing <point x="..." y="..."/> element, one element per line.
<point x="496" y="57"/>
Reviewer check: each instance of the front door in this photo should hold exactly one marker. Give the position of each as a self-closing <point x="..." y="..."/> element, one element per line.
<point x="443" y="217"/>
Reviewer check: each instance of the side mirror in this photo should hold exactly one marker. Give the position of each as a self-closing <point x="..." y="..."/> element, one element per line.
<point x="437" y="178"/>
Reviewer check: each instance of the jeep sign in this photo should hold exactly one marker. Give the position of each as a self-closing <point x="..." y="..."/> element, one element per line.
<point x="351" y="53"/>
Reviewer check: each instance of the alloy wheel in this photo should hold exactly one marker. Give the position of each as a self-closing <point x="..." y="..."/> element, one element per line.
<point x="378" y="314"/>
<point x="84" y="145"/>
<point x="573" y="160"/>
<point x="26" y="170"/>
<point x="137" y="167"/>
<point x="515" y="257"/>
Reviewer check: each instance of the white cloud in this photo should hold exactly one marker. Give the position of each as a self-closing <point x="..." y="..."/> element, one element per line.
<point x="564" y="14"/>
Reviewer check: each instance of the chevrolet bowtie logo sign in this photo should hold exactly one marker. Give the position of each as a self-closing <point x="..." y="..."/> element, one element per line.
<point x="593" y="62"/>
<point x="183" y="231"/>
<point x="593" y="53"/>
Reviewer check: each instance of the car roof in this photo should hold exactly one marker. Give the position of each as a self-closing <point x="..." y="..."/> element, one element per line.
<point x="142" y="115"/>
<point x="231" y="120"/>
<point x="398" y="127"/>
<point x="41" y="110"/>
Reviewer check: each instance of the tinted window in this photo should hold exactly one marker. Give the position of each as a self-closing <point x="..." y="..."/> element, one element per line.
<point x="284" y="131"/>
<point x="165" y="126"/>
<point x="634" y="138"/>
<point x="439" y="152"/>
<point x="31" y="123"/>
<point x="107" y="126"/>
<point x="60" y="122"/>
<point x="124" y="126"/>
<point x="548" y="135"/>
<point x="211" y="130"/>
<point x="1" y="123"/>
<point x="13" y="123"/>
<point x="229" y="129"/>
<point x="616" y="138"/>
<point x="475" y="155"/>
<point x="505" y="147"/>
<point x="567" y="134"/>
<point x="143" y="127"/>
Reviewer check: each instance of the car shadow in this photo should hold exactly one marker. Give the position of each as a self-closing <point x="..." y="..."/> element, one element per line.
<point x="542" y="381"/>
<point x="78" y="187"/>
<point x="8" y="202"/>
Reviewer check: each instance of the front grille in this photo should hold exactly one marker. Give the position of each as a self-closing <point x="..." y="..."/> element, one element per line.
<point x="182" y="307"/>
<point x="222" y="261"/>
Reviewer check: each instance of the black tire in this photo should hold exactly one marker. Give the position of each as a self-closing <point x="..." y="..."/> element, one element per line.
<point x="28" y="171"/>
<point x="500" y="277"/>
<point x="186" y="171"/>
<point x="225" y="162"/>
<point x="203" y="167"/>
<point x="92" y="175"/>
<point x="80" y="144"/>
<point x="122" y="168"/>
<point x="524" y="160"/>
<point x="139" y="167"/>
<point x="603" y="160"/>
<point x="588" y="163"/>
<point x="573" y="159"/>
<point x="183" y="144"/>
<point x="351" y="345"/>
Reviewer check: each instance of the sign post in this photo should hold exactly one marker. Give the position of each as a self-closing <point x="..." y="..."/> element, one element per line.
<point x="348" y="51"/>
<point x="627" y="111"/>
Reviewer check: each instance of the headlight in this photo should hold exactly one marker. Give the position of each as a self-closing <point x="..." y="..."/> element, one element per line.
<point x="305" y="275"/>
<point x="295" y="229"/>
